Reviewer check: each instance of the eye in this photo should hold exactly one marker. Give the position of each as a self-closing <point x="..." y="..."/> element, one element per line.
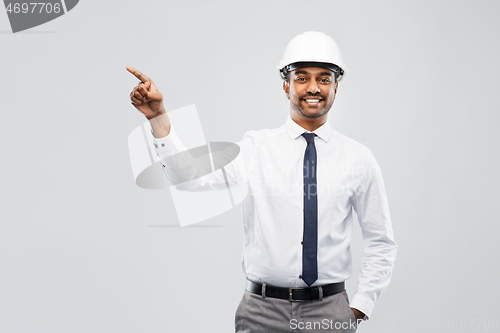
<point x="325" y="80"/>
<point x="300" y="79"/>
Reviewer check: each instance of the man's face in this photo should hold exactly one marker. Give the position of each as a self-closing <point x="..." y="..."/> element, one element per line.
<point x="311" y="91"/>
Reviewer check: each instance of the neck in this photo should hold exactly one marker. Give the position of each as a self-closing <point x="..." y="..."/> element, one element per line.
<point x="309" y="124"/>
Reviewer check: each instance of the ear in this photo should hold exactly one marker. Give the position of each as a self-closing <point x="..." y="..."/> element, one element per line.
<point x="286" y="88"/>
<point x="336" y="86"/>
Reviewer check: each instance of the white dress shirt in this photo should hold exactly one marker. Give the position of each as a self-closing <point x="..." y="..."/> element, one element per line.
<point x="269" y="170"/>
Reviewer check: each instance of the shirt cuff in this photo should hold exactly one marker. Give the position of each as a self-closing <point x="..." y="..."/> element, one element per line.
<point x="363" y="304"/>
<point x="168" y="145"/>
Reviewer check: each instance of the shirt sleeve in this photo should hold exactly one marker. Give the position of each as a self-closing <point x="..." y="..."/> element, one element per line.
<point x="200" y="169"/>
<point x="371" y="206"/>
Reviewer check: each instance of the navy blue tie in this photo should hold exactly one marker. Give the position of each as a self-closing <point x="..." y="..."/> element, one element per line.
<point x="310" y="240"/>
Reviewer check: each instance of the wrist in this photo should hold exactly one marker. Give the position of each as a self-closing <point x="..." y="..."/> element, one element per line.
<point x="159" y="113"/>
<point x="358" y="314"/>
<point x="160" y="125"/>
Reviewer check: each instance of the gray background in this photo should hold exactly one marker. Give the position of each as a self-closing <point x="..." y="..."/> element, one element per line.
<point x="82" y="249"/>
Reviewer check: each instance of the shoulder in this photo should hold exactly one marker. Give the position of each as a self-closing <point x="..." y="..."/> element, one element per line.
<point x="349" y="143"/>
<point x="263" y="135"/>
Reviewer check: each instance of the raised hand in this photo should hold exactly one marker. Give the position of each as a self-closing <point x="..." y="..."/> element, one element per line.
<point x="145" y="97"/>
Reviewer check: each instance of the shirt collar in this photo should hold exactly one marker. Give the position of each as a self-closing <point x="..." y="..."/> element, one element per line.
<point x="294" y="130"/>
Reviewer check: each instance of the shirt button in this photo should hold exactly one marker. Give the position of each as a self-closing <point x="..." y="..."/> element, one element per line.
<point x="300" y="276"/>
<point x="163" y="145"/>
<point x="302" y="242"/>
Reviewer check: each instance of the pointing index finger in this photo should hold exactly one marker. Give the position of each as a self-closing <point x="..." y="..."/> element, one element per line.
<point x="138" y="74"/>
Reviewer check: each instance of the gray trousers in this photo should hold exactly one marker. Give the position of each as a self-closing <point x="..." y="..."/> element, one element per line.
<point x="257" y="314"/>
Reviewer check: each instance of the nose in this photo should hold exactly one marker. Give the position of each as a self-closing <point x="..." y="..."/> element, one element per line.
<point x="313" y="87"/>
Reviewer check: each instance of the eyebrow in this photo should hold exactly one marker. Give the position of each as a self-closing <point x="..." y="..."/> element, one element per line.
<point x="306" y="73"/>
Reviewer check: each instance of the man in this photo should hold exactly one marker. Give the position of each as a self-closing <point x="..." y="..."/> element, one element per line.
<point x="302" y="181"/>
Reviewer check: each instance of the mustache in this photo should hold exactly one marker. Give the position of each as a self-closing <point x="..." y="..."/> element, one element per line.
<point x="312" y="95"/>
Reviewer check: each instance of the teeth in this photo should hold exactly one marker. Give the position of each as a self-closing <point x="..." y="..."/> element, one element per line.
<point x="312" y="100"/>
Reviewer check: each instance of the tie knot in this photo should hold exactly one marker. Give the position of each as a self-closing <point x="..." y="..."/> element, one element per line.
<point x="309" y="137"/>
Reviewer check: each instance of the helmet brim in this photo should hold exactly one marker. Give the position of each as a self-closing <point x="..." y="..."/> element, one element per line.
<point x="339" y="72"/>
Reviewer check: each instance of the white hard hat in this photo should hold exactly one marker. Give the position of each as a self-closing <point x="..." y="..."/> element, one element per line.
<point x="312" y="49"/>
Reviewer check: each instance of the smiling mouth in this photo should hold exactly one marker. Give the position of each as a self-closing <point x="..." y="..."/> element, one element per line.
<point x="312" y="101"/>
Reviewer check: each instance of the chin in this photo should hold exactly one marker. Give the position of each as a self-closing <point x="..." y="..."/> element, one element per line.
<point x="314" y="113"/>
<point x="310" y="113"/>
